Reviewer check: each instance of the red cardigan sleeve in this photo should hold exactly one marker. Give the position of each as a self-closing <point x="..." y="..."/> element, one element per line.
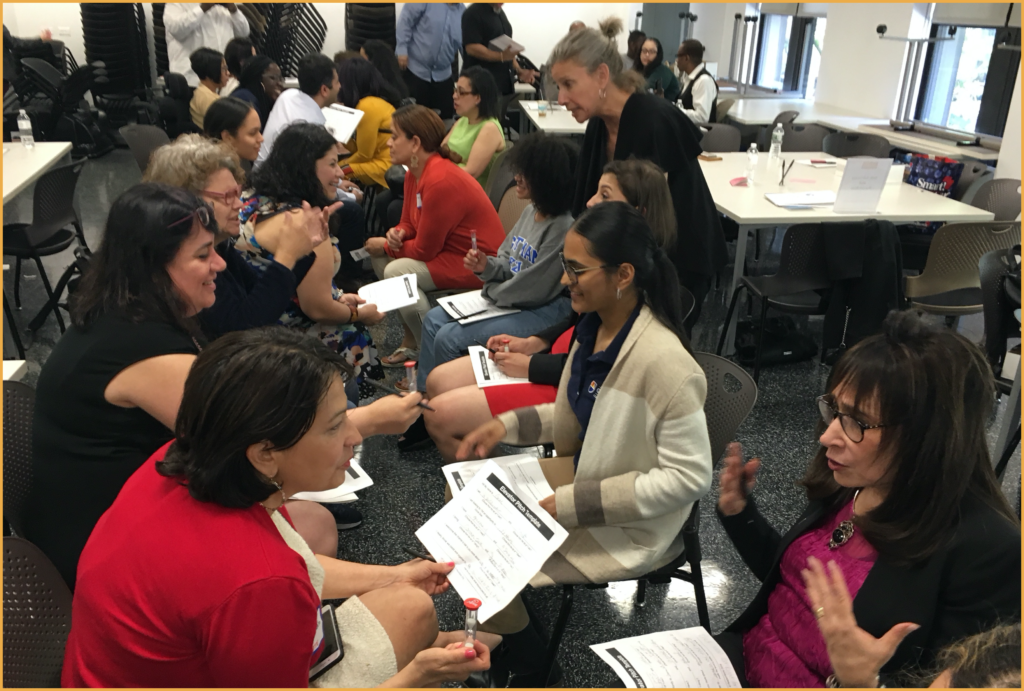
<point x="438" y="216"/>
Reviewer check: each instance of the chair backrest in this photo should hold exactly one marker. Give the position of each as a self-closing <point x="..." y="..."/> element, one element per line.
<point x="501" y="176"/>
<point x="720" y="138"/>
<point x="1001" y="197"/>
<point x="511" y="208"/>
<point x="53" y="204"/>
<point x="971" y="178"/>
<point x="803" y="256"/>
<point x="999" y="321"/>
<point x="19" y="406"/>
<point x="548" y="87"/>
<point x="143" y="140"/>
<point x="954" y="254"/>
<point x="786" y="117"/>
<point x="846" y="144"/>
<point x="803" y="137"/>
<point x="731" y="396"/>
<point x="37" y="617"/>
<point x="723" y="107"/>
<point x="687" y="300"/>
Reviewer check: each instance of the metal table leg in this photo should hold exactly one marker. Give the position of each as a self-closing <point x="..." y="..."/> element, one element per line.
<point x="737" y="274"/>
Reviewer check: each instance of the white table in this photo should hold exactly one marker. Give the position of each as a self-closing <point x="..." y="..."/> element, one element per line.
<point x="557" y="121"/>
<point x="23" y="166"/>
<point x="14" y="370"/>
<point x="931" y="145"/>
<point x="524" y="89"/>
<point x="900" y="203"/>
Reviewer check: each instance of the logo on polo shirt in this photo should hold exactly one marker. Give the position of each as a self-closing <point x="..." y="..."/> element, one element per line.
<point x="594" y="389"/>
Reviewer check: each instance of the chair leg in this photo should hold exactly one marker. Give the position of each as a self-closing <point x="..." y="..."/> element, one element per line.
<point x="80" y="232"/>
<point x="1004" y="460"/>
<point x="728" y="319"/>
<point x="49" y="293"/>
<point x="17" y="283"/>
<point x="559" y="630"/>
<point x="15" y="336"/>
<point x="697" y="579"/>
<point x="54" y="302"/>
<point x="760" y="338"/>
<point x="641" y="592"/>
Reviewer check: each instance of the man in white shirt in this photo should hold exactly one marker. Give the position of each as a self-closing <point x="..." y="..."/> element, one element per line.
<point x="190" y="26"/>
<point x="318" y="88"/>
<point x="700" y="92"/>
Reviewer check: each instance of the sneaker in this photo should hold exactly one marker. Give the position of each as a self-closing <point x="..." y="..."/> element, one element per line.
<point x="345" y="516"/>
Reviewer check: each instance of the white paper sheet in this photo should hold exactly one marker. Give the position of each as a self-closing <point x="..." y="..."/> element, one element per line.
<point x="341" y="121"/>
<point x="391" y="293"/>
<point x="486" y="370"/>
<point x="812" y="198"/>
<point x="862" y="185"/>
<point x="497" y="536"/>
<point x="504" y="42"/>
<point x="682" y="659"/>
<point x="523" y="469"/>
<point x="472" y="307"/>
<point x="359" y="254"/>
<point x="355" y="480"/>
<point x="817" y="162"/>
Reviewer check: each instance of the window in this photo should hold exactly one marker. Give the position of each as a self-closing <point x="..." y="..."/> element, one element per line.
<point x="789" y="52"/>
<point x="815" y="65"/>
<point x="774" y="48"/>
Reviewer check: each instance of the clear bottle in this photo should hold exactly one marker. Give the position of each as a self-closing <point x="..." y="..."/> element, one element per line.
<point x="25" y="129"/>
<point x="775" y="152"/>
<point x="751" y="164"/>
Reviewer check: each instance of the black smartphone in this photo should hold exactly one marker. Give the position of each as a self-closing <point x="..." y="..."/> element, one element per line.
<point x="333" y="652"/>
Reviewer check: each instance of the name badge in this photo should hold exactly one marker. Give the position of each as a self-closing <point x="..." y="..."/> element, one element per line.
<point x="419" y="201"/>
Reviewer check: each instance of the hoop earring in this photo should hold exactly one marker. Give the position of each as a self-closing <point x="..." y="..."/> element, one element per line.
<point x="414" y="161"/>
<point x="603" y="93"/>
<point x="280" y="489"/>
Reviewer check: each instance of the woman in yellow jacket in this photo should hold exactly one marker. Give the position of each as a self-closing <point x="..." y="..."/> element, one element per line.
<point x="363" y="88"/>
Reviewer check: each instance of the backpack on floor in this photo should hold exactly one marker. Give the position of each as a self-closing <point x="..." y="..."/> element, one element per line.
<point x="783" y="343"/>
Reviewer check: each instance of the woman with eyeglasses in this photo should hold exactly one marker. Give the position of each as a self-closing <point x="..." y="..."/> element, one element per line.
<point x="477" y="137"/>
<point x="907" y="542"/>
<point x="659" y="78"/>
<point x="629" y="412"/>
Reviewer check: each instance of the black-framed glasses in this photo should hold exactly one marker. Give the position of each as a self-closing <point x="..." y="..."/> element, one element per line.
<point x="202" y="213"/>
<point x="852" y="427"/>
<point x="460" y="92"/>
<point x="574" y="274"/>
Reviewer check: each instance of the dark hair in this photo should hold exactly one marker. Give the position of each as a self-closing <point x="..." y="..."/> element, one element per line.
<point x="484" y="86"/>
<point x="226" y="113"/>
<point x="315" y="70"/>
<point x="251" y="80"/>
<point x="617" y="234"/>
<point x="644" y="186"/>
<point x="934" y="390"/>
<point x="382" y="56"/>
<point x="693" y="48"/>
<point x="128" y="273"/>
<point x="549" y="166"/>
<point x="636" y="35"/>
<point x="986" y="660"/>
<point x="205" y="62"/>
<point x="420" y="121"/>
<point x="237" y="52"/>
<point x="658" y="59"/>
<point x="289" y="173"/>
<point x="359" y="79"/>
<point x="343" y="55"/>
<point x="248" y="387"/>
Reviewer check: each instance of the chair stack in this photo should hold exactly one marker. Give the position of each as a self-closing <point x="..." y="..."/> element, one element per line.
<point x="163" y="64"/>
<point x="116" y="35"/>
<point x="367" y="20"/>
<point x="67" y="116"/>
<point x="292" y="30"/>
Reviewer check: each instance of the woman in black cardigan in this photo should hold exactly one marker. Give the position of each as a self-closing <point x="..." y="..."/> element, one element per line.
<point x="922" y="547"/>
<point x="624" y="122"/>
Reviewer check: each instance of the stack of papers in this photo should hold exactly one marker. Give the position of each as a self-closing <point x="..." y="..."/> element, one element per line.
<point x="791" y="199"/>
<point x="467" y="308"/>
<point x="486" y="370"/>
<point x="523" y="469"/>
<point x="391" y="293"/>
<point x="341" y="121"/>
<point x="503" y="43"/>
<point x="687" y="658"/>
<point x="355" y="480"/>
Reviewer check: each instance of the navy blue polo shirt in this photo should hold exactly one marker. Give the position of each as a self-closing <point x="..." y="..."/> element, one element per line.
<point x="590" y="369"/>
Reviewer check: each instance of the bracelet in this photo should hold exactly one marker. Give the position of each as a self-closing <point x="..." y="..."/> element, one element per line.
<point x="833" y="683"/>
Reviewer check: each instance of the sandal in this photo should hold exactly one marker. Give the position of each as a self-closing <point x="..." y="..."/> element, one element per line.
<point x="400" y="357"/>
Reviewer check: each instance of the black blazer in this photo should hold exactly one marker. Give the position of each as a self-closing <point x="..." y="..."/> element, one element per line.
<point x="967" y="586"/>
<point x="655" y="130"/>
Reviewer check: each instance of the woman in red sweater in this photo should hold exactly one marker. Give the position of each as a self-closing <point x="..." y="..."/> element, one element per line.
<point x="443" y="206"/>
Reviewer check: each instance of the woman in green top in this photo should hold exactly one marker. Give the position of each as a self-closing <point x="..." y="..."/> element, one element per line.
<point x="659" y="77"/>
<point x="477" y="138"/>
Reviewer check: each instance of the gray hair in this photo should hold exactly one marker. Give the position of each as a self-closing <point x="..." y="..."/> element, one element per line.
<point x="590" y="48"/>
<point x="190" y="160"/>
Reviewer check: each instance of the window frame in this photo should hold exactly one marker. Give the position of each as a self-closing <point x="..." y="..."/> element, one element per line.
<point x="798" y="55"/>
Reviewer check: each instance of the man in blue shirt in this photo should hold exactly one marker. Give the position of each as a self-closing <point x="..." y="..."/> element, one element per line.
<point x="429" y="38"/>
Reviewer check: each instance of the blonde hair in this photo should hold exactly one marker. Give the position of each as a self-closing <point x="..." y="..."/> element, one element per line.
<point x="190" y="160"/>
<point x="591" y="48"/>
<point x="990" y="659"/>
<point x="644" y="186"/>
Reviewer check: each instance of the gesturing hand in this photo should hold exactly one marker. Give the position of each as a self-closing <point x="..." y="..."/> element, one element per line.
<point x="856" y="655"/>
<point x="480" y="441"/>
<point x="736" y="480"/>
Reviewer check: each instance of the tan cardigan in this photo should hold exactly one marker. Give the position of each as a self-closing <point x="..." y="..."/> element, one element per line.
<point x="645" y="460"/>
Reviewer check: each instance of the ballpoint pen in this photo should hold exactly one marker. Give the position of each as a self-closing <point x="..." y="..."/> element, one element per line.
<point x="387" y="389"/>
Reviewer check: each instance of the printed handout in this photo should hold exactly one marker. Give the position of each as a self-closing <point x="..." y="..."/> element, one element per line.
<point x="486" y="370"/>
<point x="391" y="293"/>
<point x="681" y="659"/>
<point x="523" y="469"/>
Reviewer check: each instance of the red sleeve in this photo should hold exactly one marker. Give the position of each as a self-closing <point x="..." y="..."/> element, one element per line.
<point x="439" y="216"/>
<point x="262" y="636"/>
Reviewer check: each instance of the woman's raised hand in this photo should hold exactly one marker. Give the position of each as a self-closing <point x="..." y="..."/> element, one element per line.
<point x="736" y="480"/>
<point x="475" y="261"/>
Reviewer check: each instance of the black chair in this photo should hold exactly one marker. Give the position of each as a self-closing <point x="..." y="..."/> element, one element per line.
<point x="176" y="119"/>
<point x="19" y="405"/>
<point x="971" y="177"/>
<point x="786" y="117"/>
<point x="53" y="210"/>
<point x="803" y="137"/>
<point x="847" y="144"/>
<point x="12" y="328"/>
<point x="143" y="140"/>
<point x="731" y="396"/>
<point x="720" y="138"/>
<point x="37" y="617"/>
<point x="68" y="280"/>
<point x="1000" y="324"/>
<point x="802" y="271"/>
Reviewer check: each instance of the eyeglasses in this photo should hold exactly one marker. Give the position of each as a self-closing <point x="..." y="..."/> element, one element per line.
<point x="649" y="51"/>
<point x="574" y="274"/>
<point x="228" y="197"/>
<point x="202" y="213"/>
<point x="853" y="427"/>
<point x="460" y="92"/>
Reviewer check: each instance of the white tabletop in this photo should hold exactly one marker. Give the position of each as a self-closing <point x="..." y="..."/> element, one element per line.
<point x="14" y="370"/>
<point x="933" y="146"/>
<point x="557" y="121"/>
<point x="524" y="88"/>
<point x="23" y="166"/>
<point x="900" y="203"/>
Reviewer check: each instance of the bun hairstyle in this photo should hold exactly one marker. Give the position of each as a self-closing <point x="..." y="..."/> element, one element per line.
<point x="590" y="48"/>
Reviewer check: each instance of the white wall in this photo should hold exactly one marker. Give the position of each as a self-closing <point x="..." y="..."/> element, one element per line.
<point x="1009" y="152"/>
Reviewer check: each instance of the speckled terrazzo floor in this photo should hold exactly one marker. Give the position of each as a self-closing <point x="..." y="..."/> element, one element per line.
<point x="409" y="487"/>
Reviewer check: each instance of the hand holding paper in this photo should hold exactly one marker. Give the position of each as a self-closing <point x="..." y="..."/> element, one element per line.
<point x="391" y="293"/>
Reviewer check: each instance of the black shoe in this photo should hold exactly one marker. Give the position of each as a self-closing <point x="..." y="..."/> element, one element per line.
<point x="345" y="517"/>
<point x="415" y="437"/>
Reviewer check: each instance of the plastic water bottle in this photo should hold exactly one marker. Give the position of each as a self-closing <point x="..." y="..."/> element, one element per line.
<point x="25" y="129"/>
<point x="775" y="152"/>
<point x="751" y="163"/>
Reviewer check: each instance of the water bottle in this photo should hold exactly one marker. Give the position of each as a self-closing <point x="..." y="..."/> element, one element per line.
<point x="25" y="129"/>
<point x="751" y="163"/>
<point x="775" y="152"/>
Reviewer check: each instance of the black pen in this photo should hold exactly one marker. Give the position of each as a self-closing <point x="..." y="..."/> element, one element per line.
<point x="389" y="390"/>
<point x="484" y="346"/>
<point x="418" y="555"/>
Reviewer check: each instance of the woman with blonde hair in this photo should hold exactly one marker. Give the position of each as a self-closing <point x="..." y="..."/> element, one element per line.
<point x="625" y="122"/>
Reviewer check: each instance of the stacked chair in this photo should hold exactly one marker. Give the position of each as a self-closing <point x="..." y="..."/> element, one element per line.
<point x="115" y="35"/>
<point x="287" y="32"/>
<point x="367" y="20"/>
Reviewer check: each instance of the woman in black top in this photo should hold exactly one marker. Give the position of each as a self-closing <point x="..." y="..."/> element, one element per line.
<point x="626" y="123"/>
<point x="260" y="83"/>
